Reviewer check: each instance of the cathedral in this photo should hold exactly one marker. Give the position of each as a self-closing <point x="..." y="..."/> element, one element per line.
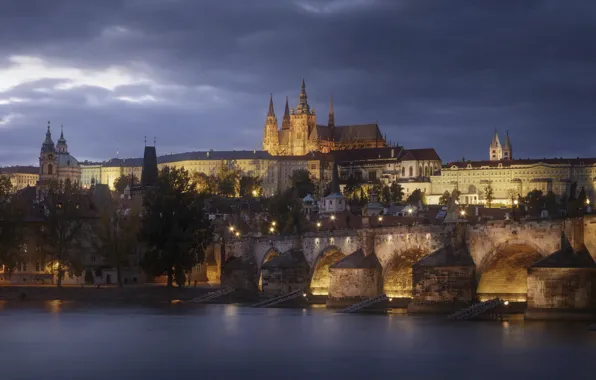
<point x="300" y="133"/>
<point x="500" y="152"/>
<point x="55" y="163"/>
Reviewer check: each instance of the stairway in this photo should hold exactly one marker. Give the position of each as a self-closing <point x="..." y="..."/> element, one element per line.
<point x="364" y="304"/>
<point x="279" y="299"/>
<point x="212" y="295"/>
<point x="476" y="309"/>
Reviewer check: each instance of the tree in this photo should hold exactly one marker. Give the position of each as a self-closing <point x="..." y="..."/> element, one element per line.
<point x="351" y="188"/>
<point x="250" y="186"/>
<point x="66" y="211"/>
<point x="121" y="182"/>
<point x="205" y="183"/>
<point x="228" y="180"/>
<point x="397" y="192"/>
<point x="286" y="210"/>
<point x="11" y="227"/>
<point x="416" y="197"/>
<point x="300" y="180"/>
<point x="115" y="235"/>
<point x="386" y="194"/>
<point x="489" y="195"/>
<point x="174" y="226"/>
<point x="535" y="202"/>
<point x="444" y="199"/>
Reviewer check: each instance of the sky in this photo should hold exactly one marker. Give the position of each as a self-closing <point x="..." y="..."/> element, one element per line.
<point x="197" y="74"/>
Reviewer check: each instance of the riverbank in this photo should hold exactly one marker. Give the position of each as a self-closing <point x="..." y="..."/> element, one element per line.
<point x="140" y="293"/>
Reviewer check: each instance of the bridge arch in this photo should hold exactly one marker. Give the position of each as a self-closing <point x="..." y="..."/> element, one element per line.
<point x="397" y="273"/>
<point x="270" y="254"/>
<point x="319" y="275"/>
<point x="503" y="272"/>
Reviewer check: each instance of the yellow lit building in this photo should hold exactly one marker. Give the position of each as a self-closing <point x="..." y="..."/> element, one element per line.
<point x="21" y="176"/>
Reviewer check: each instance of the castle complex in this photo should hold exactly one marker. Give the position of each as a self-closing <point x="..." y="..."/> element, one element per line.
<point x="361" y="152"/>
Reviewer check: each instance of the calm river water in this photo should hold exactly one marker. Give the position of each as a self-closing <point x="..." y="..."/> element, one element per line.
<point x="73" y="341"/>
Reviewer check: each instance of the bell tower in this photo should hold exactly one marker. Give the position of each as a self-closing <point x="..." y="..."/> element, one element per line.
<point x="48" y="161"/>
<point x="302" y="124"/>
<point x="270" y="136"/>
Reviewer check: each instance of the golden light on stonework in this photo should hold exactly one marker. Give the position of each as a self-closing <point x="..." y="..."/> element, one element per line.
<point x="515" y="202"/>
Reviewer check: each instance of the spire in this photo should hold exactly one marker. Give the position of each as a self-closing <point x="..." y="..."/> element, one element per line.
<point x="285" y="124"/>
<point x="271" y="110"/>
<point x="495" y="142"/>
<point x="507" y="142"/>
<point x="303" y="106"/>
<point x="331" y="122"/>
<point x="48" y="144"/>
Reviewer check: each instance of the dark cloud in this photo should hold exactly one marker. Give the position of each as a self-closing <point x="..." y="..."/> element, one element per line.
<point x="197" y="74"/>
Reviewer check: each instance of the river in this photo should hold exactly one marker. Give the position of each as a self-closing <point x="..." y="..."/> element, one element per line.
<point x="63" y="341"/>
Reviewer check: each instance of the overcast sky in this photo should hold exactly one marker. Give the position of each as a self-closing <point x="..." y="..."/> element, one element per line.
<point x="197" y="74"/>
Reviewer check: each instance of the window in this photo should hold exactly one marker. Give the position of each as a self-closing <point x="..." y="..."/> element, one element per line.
<point x="411" y="171"/>
<point x="313" y="166"/>
<point x="372" y="176"/>
<point x="403" y="172"/>
<point x="50" y="169"/>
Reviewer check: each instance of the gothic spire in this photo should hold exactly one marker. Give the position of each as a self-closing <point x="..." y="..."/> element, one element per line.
<point x="331" y="122"/>
<point x="507" y="142"/>
<point x="303" y="106"/>
<point x="495" y="142"/>
<point x="285" y="124"/>
<point x="271" y="110"/>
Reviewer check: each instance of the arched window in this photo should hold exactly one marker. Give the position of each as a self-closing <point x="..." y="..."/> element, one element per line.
<point x="420" y="171"/>
<point x="411" y="170"/>
<point x="403" y="172"/>
<point x="50" y="169"/>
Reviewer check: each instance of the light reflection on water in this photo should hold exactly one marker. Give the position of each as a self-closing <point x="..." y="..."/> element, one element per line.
<point x="70" y="340"/>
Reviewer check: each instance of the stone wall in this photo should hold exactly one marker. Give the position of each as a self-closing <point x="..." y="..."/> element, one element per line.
<point x="561" y="288"/>
<point x="444" y="284"/>
<point x="355" y="284"/>
<point x="280" y="281"/>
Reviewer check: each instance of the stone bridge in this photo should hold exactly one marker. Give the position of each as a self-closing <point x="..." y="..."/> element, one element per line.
<point x="500" y="251"/>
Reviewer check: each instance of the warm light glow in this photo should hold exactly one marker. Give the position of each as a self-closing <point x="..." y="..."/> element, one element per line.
<point x="237" y="233"/>
<point x="271" y="229"/>
<point x="390" y="299"/>
<point x="463" y="212"/>
<point x="515" y="202"/>
<point x="254" y="193"/>
<point x="380" y="218"/>
<point x="506" y="303"/>
<point x="318" y="224"/>
<point x="332" y="217"/>
<point x="273" y="223"/>
<point x="409" y="211"/>
<point x="587" y="201"/>
<point x="231" y="228"/>
<point x="303" y="294"/>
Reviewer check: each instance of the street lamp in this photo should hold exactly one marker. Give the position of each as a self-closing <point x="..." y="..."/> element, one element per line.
<point x="255" y="193"/>
<point x="237" y="234"/>
<point x="271" y="229"/>
<point x="232" y="228"/>
<point x="515" y="202"/>
<point x="318" y="225"/>
<point x="463" y="212"/>
<point x="273" y="223"/>
<point x="332" y="217"/>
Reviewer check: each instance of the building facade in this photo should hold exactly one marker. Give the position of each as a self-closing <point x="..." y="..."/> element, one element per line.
<point x="21" y="176"/>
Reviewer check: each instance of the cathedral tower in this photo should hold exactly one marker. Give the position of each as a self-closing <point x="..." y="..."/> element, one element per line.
<point x="507" y="149"/>
<point x="495" y="150"/>
<point x="48" y="159"/>
<point x="62" y="147"/>
<point x="285" y="123"/>
<point x="270" y="137"/>
<point x="302" y="123"/>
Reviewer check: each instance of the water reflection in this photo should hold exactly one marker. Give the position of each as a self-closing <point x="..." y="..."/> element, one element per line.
<point x="230" y="342"/>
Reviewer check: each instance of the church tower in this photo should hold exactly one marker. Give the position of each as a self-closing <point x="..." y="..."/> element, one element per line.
<point x="507" y="149"/>
<point x="48" y="160"/>
<point x="62" y="147"/>
<point x="302" y="124"/>
<point x="495" y="150"/>
<point x="285" y="123"/>
<point x="270" y="137"/>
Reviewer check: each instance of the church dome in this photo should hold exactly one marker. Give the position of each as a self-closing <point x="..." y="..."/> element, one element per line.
<point x="65" y="160"/>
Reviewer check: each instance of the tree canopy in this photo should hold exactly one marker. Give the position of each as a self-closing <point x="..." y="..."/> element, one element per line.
<point x="121" y="182"/>
<point x="66" y="212"/>
<point x="11" y="227"/>
<point x="174" y="226"/>
<point x="301" y="182"/>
